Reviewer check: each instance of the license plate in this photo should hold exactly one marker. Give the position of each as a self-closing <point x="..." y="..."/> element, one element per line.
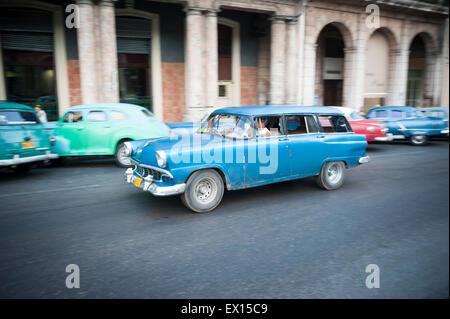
<point x="137" y="182"/>
<point x="29" y="144"/>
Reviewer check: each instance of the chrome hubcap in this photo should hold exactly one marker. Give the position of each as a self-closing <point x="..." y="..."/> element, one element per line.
<point x="205" y="190"/>
<point x="334" y="174"/>
<point x="418" y="139"/>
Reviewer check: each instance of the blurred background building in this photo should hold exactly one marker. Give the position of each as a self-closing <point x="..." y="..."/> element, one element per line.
<point x="181" y="57"/>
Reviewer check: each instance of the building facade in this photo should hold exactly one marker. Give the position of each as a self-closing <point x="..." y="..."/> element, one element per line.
<point x="180" y="58"/>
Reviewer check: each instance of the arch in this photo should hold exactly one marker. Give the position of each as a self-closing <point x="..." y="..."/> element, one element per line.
<point x="343" y="29"/>
<point x="427" y="65"/>
<point x="60" y="57"/>
<point x="429" y="41"/>
<point x="156" y="79"/>
<point x="390" y="37"/>
<point x="236" y="57"/>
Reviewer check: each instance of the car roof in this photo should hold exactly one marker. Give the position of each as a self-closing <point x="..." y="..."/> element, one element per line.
<point x="120" y="106"/>
<point x="434" y="108"/>
<point x="401" y="108"/>
<point x="16" y="106"/>
<point x="276" y="110"/>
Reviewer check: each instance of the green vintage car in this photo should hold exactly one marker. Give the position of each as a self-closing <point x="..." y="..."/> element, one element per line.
<point x="103" y="128"/>
<point x="23" y="140"/>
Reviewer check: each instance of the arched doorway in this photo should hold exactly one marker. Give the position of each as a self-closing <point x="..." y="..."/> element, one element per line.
<point x="377" y="68"/>
<point x="416" y="72"/>
<point x="330" y="57"/>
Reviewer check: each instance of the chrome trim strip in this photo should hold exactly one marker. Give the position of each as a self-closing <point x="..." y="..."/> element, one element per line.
<point x="16" y="160"/>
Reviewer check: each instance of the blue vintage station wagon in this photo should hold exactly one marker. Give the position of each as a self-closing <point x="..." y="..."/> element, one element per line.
<point x="242" y="147"/>
<point x="406" y="122"/>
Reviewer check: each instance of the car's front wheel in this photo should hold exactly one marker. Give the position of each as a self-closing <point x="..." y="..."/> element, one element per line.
<point x="418" y="140"/>
<point x="123" y="159"/>
<point x="204" y="191"/>
<point x="331" y="175"/>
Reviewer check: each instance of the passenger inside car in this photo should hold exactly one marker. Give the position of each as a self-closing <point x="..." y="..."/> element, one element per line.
<point x="268" y="126"/>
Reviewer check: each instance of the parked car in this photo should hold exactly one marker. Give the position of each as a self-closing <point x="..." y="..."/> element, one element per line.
<point x="23" y="140"/>
<point x="102" y="129"/>
<point x="241" y="147"/>
<point x="405" y="122"/>
<point x="373" y="130"/>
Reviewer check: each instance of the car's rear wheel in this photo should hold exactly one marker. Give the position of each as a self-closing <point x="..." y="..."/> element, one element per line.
<point x="418" y="140"/>
<point x="204" y="191"/>
<point x="331" y="175"/>
<point x="122" y="157"/>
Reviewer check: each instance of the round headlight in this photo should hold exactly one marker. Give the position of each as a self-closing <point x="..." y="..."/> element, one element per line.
<point x="127" y="149"/>
<point x="161" y="157"/>
<point x="371" y="128"/>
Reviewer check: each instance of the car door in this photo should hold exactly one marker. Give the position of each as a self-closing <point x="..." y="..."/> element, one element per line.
<point x="267" y="158"/>
<point x="70" y="133"/>
<point x="306" y="147"/>
<point x="98" y="132"/>
<point x="334" y="133"/>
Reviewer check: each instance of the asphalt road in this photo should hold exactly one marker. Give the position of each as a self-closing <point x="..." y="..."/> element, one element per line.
<point x="286" y="240"/>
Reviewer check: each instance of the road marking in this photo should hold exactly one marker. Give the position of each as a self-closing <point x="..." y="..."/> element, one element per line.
<point x="63" y="189"/>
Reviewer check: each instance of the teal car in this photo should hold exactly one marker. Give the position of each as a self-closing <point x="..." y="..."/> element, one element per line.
<point x="23" y="139"/>
<point x="102" y="129"/>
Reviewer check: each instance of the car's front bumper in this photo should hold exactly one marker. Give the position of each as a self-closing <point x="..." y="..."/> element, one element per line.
<point x="16" y="160"/>
<point x="444" y="132"/>
<point x="389" y="137"/>
<point x="148" y="185"/>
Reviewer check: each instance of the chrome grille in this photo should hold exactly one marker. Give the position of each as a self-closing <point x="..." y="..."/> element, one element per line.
<point x="144" y="172"/>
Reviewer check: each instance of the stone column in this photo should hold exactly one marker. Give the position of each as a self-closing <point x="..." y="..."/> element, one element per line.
<point x="291" y="61"/>
<point x="194" y="81"/>
<point x="86" y="52"/>
<point x="398" y="84"/>
<point x="211" y="63"/>
<point x="108" y="52"/>
<point x="309" y="72"/>
<point x="277" y="61"/>
<point x="354" y="69"/>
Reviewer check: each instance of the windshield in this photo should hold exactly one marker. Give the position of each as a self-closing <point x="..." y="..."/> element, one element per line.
<point x="228" y="125"/>
<point x="18" y="118"/>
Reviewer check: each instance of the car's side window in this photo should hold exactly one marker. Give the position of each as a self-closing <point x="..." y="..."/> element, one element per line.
<point x="380" y="114"/>
<point x="97" y="116"/>
<point x="118" y="116"/>
<point x="73" y="117"/>
<point x="398" y="114"/>
<point x="268" y="126"/>
<point x="300" y="124"/>
<point x="334" y="124"/>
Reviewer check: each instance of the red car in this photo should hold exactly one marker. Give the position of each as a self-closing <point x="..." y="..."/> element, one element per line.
<point x="373" y="130"/>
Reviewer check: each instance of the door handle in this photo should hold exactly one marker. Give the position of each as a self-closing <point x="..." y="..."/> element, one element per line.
<point x="284" y="138"/>
<point x="320" y="136"/>
<point x="80" y="128"/>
